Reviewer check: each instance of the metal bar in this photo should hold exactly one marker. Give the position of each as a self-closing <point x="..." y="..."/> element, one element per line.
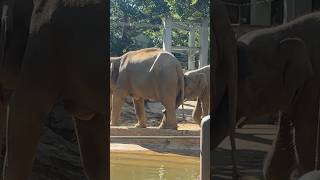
<point x="167" y="34"/>
<point x="184" y="48"/>
<point x="136" y="24"/>
<point x="185" y="27"/>
<point x="189" y="24"/>
<point x="155" y="137"/>
<point x="204" y="44"/>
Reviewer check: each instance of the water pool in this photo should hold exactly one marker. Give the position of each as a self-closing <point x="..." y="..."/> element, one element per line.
<point x="153" y="166"/>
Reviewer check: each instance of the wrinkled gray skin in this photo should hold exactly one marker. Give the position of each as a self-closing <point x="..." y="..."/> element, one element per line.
<point x="50" y="57"/>
<point x="149" y="73"/>
<point x="282" y="77"/>
<point x="196" y="86"/>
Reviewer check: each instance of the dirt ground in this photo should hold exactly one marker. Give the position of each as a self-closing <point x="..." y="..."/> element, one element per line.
<point x="154" y="114"/>
<point x="186" y="127"/>
<point x="253" y="142"/>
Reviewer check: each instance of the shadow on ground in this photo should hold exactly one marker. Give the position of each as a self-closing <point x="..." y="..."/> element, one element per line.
<point x="251" y="151"/>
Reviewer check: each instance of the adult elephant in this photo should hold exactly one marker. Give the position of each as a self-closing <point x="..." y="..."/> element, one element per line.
<point x="197" y="87"/>
<point x="54" y="50"/>
<point x="278" y="70"/>
<point x="149" y="73"/>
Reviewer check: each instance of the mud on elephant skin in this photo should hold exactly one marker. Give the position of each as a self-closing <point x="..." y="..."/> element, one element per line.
<point x="283" y="77"/>
<point x="196" y="86"/>
<point x="46" y="56"/>
<point x="149" y="73"/>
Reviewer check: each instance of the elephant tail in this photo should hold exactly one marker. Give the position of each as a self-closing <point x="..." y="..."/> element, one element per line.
<point x="180" y="96"/>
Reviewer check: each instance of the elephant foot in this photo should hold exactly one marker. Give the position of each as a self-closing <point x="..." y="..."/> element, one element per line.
<point x="140" y="125"/>
<point x="168" y="126"/>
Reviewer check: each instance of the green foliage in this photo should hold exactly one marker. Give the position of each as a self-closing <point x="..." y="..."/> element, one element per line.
<point x="126" y="38"/>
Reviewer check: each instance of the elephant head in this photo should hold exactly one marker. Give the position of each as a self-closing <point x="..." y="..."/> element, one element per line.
<point x="224" y="108"/>
<point x="194" y="85"/>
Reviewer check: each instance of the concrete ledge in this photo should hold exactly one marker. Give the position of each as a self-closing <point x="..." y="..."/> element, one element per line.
<point x="150" y="131"/>
<point x="163" y="144"/>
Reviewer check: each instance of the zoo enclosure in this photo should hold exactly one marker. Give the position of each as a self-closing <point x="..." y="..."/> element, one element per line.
<point x="191" y="27"/>
<point x="265" y="12"/>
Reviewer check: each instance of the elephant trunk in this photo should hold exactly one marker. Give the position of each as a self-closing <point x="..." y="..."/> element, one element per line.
<point x="220" y="126"/>
<point x="225" y="75"/>
<point x="281" y="160"/>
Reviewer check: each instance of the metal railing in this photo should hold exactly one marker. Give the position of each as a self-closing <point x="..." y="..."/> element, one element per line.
<point x="247" y="4"/>
<point x="155" y="137"/>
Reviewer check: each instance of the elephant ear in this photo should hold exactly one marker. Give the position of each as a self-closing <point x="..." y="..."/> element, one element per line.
<point x="297" y="65"/>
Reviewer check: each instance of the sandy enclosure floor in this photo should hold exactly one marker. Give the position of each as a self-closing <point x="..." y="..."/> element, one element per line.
<point x="153" y="113"/>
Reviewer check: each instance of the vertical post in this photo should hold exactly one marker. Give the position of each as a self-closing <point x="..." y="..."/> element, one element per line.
<point x="239" y="14"/>
<point x="285" y="11"/>
<point x="260" y="13"/>
<point x="205" y="149"/>
<point x="296" y="8"/>
<point x="167" y="34"/>
<point x="290" y="9"/>
<point x="191" y="43"/>
<point x="204" y="43"/>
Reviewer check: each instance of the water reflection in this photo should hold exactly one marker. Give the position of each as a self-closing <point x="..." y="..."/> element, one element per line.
<point x="138" y="166"/>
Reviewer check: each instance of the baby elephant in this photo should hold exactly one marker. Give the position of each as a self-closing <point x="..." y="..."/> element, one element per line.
<point x="197" y="86"/>
<point x="149" y="73"/>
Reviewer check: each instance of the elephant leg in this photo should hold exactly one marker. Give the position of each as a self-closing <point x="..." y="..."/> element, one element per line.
<point x="26" y="112"/>
<point x="94" y="146"/>
<point x="205" y="106"/>
<point x="305" y="122"/>
<point x="281" y="160"/>
<point x="169" y="120"/>
<point x="139" y="108"/>
<point x="196" y="113"/>
<point x="37" y="90"/>
<point x="117" y="102"/>
<point x="3" y="116"/>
